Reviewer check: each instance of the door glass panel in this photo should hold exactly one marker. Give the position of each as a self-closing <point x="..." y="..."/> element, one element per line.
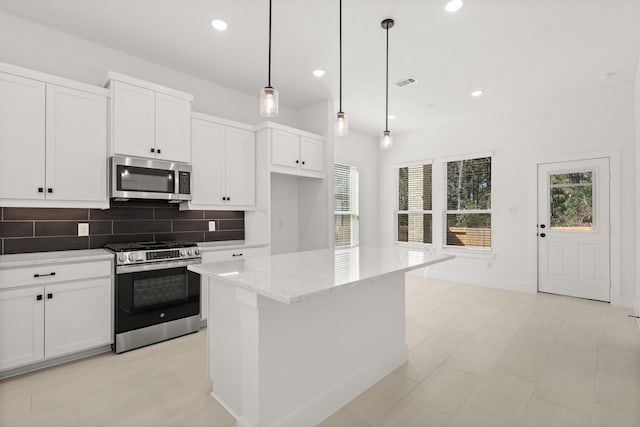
<point x="571" y="201"/>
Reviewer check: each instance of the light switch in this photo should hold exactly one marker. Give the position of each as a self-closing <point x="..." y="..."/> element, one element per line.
<point x="83" y="229"/>
<point x="212" y="226"/>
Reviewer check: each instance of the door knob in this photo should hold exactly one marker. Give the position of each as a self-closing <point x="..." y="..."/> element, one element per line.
<point x="542" y="235"/>
<point x="542" y="226"/>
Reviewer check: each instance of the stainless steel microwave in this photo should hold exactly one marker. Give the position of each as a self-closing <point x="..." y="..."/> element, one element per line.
<point x="140" y="178"/>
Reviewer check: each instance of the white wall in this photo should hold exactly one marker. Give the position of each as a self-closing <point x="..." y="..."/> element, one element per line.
<point x="31" y="45"/>
<point x="637" y="118"/>
<point x="360" y="150"/>
<point x="285" y="218"/>
<point x="596" y="120"/>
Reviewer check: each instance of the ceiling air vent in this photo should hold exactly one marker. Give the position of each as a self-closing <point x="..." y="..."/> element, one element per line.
<point x="407" y="82"/>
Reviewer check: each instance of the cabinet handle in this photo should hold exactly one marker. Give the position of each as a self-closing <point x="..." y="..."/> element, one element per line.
<point x="303" y="162"/>
<point x="228" y="198"/>
<point x="238" y="254"/>
<point x="49" y="296"/>
<point x="49" y="190"/>
<point x="53" y="273"/>
<point x="38" y="297"/>
<point x="159" y="151"/>
<point x="297" y="161"/>
<point x="153" y="150"/>
<point x="40" y="190"/>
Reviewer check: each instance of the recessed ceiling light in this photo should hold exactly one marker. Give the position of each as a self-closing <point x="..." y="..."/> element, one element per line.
<point x="477" y="93"/>
<point x="319" y="73"/>
<point x="392" y="116"/>
<point x="219" y="24"/>
<point x="453" y="5"/>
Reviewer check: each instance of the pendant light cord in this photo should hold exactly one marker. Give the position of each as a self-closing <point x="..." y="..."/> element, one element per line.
<point x="340" y="109"/>
<point x="269" y="74"/>
<point x="386" y="117"/>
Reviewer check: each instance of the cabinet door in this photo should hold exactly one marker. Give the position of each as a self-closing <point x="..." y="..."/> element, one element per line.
<point x="77" y="316"/>
<point x="173" y="128"/>
<point x="76" y="147"/>
<point x="241" y="167"/>
<point x="22" y="131"/>
<point x="21" y="327"/>
<point x="311" y="154"/>
<point x="204" y="297"/>
<point x="133" y="120"/>
<point x="208" y="151"/>
<point x="285" y="149"/>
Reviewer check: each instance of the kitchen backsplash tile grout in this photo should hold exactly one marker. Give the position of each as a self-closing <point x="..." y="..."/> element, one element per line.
<point x="50" y="228"/>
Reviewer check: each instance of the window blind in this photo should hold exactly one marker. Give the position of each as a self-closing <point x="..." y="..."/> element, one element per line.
<point x="345" y="205"/>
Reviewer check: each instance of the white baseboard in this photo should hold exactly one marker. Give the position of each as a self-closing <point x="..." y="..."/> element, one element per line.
<point x="489" y="282"/>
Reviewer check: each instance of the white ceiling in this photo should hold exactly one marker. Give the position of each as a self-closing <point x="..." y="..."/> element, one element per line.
<point x="513" y="49"/>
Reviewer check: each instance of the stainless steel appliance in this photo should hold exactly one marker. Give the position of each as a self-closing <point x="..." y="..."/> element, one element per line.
<point x="156" y="297"/>
<point x="140" y="178"/>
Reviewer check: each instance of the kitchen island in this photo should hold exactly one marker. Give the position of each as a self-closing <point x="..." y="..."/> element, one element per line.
<point x="294" y="337"/>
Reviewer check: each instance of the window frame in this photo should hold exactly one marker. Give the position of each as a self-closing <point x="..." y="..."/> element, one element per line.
<point x="397" y="210"/>
<point x="466" y="249"/>
<point x="354" y="214"/>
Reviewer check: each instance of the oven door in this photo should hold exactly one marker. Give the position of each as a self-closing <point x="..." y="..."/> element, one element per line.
<point x="155" y="293"/>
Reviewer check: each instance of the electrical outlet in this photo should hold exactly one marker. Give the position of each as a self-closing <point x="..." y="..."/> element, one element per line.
<point x="212" y="226"/>
<point x="83" y="229"/>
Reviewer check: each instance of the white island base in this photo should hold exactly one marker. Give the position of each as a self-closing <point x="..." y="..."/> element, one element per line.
<point x="294" y="363"/>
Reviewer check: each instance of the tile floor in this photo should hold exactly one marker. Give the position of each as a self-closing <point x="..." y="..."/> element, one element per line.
<point x="478" y="357"/>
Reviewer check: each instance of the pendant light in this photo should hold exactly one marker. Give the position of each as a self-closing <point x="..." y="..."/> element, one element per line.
<point x="342" y="123"/>
<point x="269" y="95"/>
<point x="386" y="141"/>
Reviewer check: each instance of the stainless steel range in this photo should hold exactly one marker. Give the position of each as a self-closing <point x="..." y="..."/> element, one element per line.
<point x="156" y="297"/>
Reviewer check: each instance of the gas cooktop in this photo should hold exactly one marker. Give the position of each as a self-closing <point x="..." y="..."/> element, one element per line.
<point x="148" y="246"/>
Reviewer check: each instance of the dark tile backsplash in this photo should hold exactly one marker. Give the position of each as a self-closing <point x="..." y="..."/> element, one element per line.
<point x="47" y="229"/>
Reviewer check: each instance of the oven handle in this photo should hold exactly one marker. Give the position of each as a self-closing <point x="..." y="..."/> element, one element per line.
<point x="123" y="269"/>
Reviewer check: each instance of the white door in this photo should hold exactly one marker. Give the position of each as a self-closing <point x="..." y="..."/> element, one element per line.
<point x="208" y="152"/>
<point x="240" y="167"/>
<point x="77" y="316"/>
<point x="76" y="145"/>
<point x="574" y="228"/>
<point x="311" y="154"/>
<point x="285" y="149"/>
<point x="21" y="327"/>
<point x="22" y="130"/>
<point x="173" y="128"/>
<point x="133" y="120"/>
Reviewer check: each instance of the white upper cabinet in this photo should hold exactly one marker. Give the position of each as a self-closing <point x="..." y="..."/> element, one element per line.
<point x="173" y="128"/>
<point x="76" y="145"/>
<point x="295" y="152"/>
<point x="22" y="138"/>
<point x="150" y="120"/>
<point x="133" y="120"/>
<point x="53" y="141"/>
<point x="223" y="154"/>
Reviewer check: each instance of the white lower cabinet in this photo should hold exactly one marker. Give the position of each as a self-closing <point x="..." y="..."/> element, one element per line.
<point x="21" y="326"/>
<point x="218" y="256"/>
<point x="48" y="316"/>
<point x="77" y="316"/>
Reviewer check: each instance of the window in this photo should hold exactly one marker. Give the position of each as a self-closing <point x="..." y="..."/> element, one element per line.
<point x="345" y="205"/>
<point x="414" y="215"/>
<point x="468" y="216"/>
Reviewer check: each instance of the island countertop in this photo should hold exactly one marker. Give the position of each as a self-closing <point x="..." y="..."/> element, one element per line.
<point x="298" y="276"/>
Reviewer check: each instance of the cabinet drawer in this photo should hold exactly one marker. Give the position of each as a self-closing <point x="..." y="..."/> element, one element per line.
<point x="51" y="273"/>
<point x="228" y="255"/>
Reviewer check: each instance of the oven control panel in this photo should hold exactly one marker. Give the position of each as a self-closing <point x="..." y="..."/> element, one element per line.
<point x="141" y="257"/>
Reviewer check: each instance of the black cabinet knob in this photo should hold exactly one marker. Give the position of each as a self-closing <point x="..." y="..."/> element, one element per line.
<point x="153" y="150"/>
<point x="40" y="190"/>
<point x="49" y="296"/>
<point x="303" y="162"/>
<point x="234" y="255"/>
<point x="542" y="226"/>
<point x="38" y="297"/>
<point x="542" y="235"/>
<point x="49" y="190"/>
<point x="159" y="151"/>
<point x="297" y="161"/>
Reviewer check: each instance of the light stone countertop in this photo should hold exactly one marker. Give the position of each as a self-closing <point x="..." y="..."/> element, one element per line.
<point x="295" y="277"/>
<point x="54" y="257"/>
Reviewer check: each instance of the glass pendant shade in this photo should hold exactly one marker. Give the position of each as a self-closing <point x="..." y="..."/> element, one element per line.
<point x="342" y="124"/>
<point x="268" y="102"/>
<point x="386" y="141"/>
